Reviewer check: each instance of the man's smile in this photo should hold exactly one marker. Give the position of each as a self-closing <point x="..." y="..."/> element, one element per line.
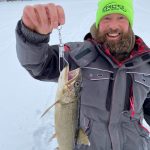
<point x="113" y="36"/>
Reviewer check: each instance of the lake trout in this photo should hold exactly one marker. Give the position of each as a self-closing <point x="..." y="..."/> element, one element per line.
<point x="66" y="110"/>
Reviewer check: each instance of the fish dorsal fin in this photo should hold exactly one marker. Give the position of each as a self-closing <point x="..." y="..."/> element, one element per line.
<point x="83" y="138"/>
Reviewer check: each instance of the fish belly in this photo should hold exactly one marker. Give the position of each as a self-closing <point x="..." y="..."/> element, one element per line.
<point x="65" y="121"/>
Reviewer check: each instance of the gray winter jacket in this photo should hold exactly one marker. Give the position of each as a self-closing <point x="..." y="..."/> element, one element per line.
<point x="114" y="97"/>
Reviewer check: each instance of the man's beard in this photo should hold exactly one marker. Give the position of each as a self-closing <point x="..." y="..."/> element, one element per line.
<point x="120" y="48"/>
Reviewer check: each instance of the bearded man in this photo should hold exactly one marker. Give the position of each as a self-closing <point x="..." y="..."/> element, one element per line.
<point x="115" y="68"/>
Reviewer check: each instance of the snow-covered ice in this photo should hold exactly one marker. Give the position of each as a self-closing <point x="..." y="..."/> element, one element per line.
<point x="22" y="98"/>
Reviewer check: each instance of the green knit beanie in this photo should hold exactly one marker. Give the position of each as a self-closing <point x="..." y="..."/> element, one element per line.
<point x="124" y="7"/>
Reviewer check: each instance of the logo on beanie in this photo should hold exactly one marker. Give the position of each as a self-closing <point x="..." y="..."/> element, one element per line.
<point x="113" y="7"/>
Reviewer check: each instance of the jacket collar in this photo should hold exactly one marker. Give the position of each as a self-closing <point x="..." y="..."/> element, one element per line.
<point x="90" y="50"/>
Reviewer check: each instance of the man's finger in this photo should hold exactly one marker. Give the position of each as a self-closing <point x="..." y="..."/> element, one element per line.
<point x="41" y="13"/>
<point x="52" y="12"/>
<point x="61" y="15"/>
<point x="29" y="13"/>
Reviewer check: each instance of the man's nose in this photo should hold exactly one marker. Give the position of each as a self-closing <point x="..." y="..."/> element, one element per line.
<point x="113" y="24"/>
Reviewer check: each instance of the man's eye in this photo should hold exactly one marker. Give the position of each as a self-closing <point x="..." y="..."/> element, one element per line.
<point x="106" y="18"/>
<point x="121" y="17"/>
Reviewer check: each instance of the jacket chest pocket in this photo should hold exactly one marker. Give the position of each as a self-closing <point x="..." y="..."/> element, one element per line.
<point x="141" y="87"/>
<point x="142" y="79"/>
<point x="95" y="87"/>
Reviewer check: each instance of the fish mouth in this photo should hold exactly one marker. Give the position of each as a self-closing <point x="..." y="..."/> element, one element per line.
<point x="113" y="36"/>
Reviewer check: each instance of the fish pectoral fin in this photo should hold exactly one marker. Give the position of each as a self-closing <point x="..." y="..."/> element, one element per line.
<point x="47" y="110"/>
<point x="53" y="136"/>
<point x="83" y="138"/>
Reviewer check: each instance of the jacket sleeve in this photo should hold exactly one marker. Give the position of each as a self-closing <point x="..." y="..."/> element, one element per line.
<point x="146" y="108"/>
<point x="35" y="54"/>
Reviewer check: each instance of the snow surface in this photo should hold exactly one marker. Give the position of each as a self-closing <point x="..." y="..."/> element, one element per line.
<point x="22" y="98"/>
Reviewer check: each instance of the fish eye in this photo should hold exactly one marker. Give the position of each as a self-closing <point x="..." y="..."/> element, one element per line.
<point x="77" y="84"/>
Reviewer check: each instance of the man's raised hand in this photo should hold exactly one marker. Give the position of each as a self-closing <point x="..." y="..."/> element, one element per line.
<point x="43" y="18"/>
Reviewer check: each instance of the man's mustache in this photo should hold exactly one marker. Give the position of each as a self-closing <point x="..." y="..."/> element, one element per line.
<point x="113" y="31"/>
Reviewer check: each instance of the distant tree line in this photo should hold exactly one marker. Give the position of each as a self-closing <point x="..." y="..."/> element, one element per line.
<point x="12" y="0"/>
<point x="9" y="0"/>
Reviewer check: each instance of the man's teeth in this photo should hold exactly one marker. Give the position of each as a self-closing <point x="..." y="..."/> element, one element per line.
<point x="113" y="34"/>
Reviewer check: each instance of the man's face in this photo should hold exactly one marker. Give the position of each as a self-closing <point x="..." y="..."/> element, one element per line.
<point x="113" y="26"/>
<point x="115" y="33"/>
